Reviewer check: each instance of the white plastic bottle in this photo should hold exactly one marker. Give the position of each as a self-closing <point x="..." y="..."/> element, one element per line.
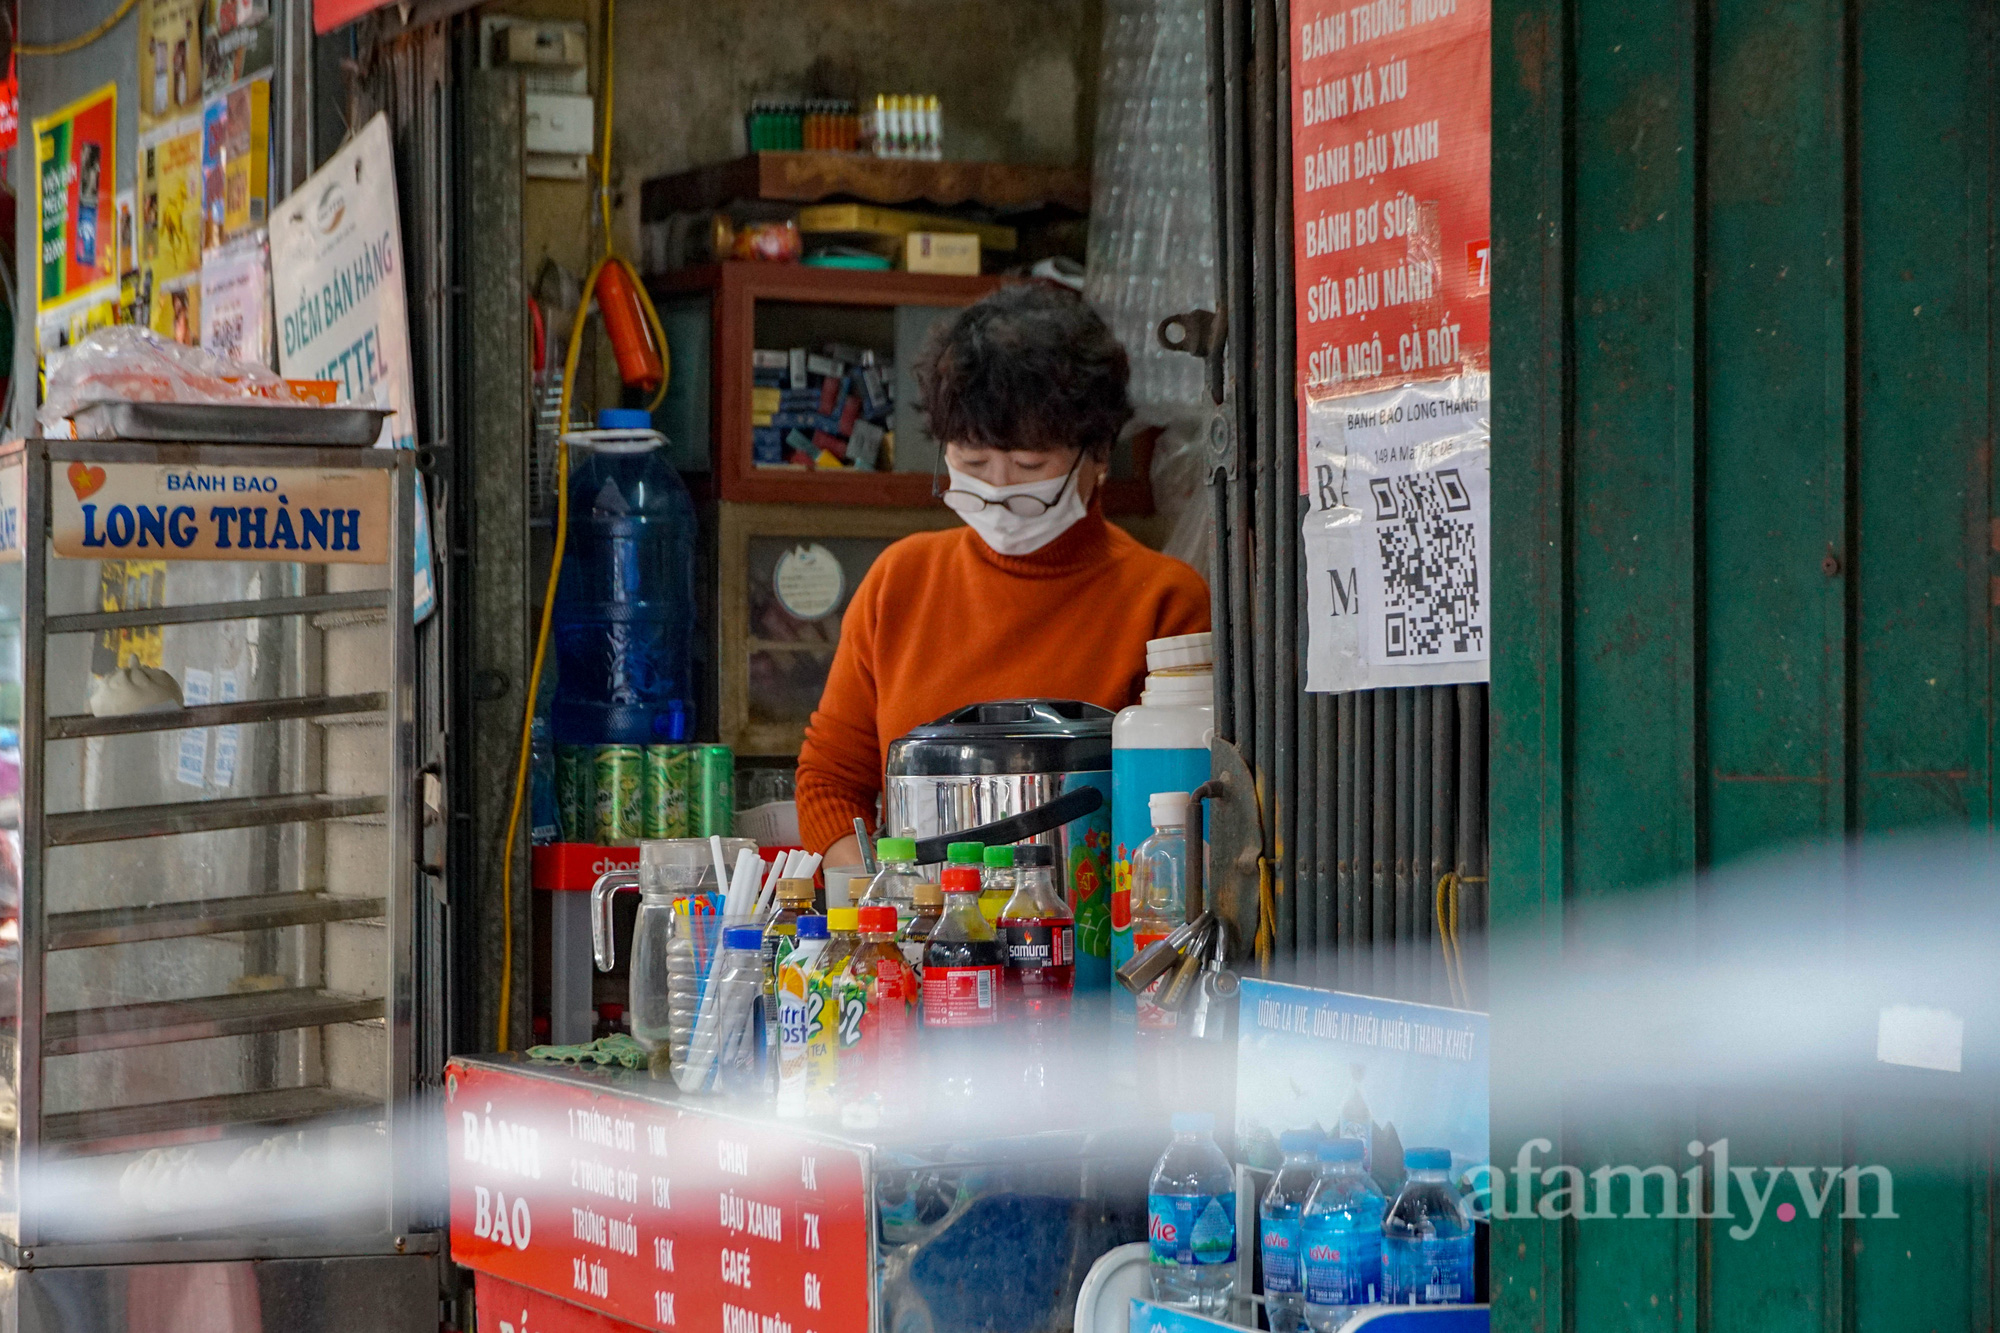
<point x="1159" y="744"/>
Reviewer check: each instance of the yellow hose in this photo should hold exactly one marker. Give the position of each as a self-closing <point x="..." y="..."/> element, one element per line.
<point x="523" y="760"/>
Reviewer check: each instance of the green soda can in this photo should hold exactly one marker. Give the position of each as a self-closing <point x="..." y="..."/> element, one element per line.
<point x="667" y="769"/>
<point x="712" y="796"/>
<point x="576" y="793"/>
<point x="621" y="803"/>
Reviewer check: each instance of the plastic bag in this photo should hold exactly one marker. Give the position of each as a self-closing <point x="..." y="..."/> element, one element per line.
<point x="1180" y="476"/>
<point x="131" y="363"/>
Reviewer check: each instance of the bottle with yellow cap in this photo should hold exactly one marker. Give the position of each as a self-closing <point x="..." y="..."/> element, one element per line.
<point x="823" y="1041"/>
<point x="795" y="899"/>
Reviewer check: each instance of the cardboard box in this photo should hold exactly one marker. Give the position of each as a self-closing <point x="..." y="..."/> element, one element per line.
<point x="941" y="252"/>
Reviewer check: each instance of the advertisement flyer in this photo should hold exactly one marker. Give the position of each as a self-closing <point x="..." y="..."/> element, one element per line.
<point x="337" y="278"/>
<point x="75" y="224"/>
<point x="235" y="157"/>
<point x="1397" y="537"/>
<point x="238" y="40"/>
<point x="170" y="228"/>
<point x="1392" y="1074"/>
<point x="1391" y="135"/>
<point x="236" y="300"/>
<point x="169" y="60"/>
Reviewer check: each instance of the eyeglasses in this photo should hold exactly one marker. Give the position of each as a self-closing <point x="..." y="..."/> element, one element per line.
<point x="1021" y="506"/>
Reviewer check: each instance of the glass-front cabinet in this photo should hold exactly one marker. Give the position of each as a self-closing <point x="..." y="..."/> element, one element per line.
<point x="207" y="874"/>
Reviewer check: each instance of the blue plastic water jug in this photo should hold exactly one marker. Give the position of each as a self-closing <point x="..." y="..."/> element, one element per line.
<point x="625" y="609"/>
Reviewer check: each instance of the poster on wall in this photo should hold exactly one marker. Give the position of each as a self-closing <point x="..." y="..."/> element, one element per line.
<point x="170" y="192"/>
<point x="1391" y="133"/>
<point x="169" y="60"/>
<point x="75" y="222"/>
<point x="1397" y="539"/>
<point x="236" y="300"/>
<point x="235" y="157"/>
<point x="337" y="279"/>
<point x="238" y="40"/>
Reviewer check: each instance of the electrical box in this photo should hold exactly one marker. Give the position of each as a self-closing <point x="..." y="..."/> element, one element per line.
<point x="559" y="124"/>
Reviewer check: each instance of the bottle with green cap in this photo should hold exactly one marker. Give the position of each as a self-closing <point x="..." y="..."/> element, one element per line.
<point x="996" y="882"/>
<point x="895" y="884"/>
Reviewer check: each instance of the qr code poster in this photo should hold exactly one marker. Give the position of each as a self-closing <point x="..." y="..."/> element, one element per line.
<point x="1398" y="554"/>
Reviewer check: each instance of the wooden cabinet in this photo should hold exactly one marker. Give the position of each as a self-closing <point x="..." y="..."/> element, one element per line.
<point x="780" y="306"/>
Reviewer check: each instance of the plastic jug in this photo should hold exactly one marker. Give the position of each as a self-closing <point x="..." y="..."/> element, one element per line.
<point x="625" y="605"/>
<point x="1159" y="744"/>
<point x="667" y="957"/>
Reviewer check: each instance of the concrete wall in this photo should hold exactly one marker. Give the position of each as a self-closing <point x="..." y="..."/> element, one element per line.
<point x="1018" y="79"/>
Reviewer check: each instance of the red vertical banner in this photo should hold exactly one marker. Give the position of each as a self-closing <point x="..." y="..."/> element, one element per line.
<point x="1392" y="128"/>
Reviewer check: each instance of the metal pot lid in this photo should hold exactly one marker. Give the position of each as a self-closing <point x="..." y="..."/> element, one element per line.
<point x="1007" y="736"/>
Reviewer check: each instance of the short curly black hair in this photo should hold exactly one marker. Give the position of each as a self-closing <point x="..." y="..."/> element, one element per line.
<point x="1031" y="366"/>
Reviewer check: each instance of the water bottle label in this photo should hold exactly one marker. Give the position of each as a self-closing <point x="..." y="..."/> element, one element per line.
<point x="1342" y="1267"/>
<point x="1192" y="1228"/>
<point x="1280" y="1241"/>
<point x="1432" y="1271"/>
<point x="961" y="997"/>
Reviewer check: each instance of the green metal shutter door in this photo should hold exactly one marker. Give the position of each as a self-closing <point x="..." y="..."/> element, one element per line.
<point x="1742" y="512"/>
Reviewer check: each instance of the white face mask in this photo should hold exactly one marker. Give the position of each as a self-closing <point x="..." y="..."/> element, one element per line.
<point x="1007" y="532"/>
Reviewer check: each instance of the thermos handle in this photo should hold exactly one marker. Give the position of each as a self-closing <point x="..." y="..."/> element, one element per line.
<point x="601" y="942"/>
<point x="1064" y="809"/>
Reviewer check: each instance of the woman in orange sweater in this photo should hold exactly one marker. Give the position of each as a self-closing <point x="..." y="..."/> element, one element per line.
<point x="1037" y="596"/>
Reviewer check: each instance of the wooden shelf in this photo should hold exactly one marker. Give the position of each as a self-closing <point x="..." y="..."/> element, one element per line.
<point x="735" y="289"/>
<point x="811" y="178"/>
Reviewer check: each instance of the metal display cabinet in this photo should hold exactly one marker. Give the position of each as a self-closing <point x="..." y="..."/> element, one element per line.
<point x="207" y="1000"/>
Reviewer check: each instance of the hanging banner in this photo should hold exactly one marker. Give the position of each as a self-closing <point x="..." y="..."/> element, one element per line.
<point x="75" y="156"/>
<point x="1392" y="133"/>
<point x="337" y="276"/>
<point x="1397" y="537"/>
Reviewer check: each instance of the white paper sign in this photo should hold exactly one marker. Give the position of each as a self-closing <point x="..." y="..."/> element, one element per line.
<point x="1398" y="555"/>
<point x="337" y="272"/>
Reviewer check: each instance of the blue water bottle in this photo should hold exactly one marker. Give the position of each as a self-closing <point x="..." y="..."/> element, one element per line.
<point x="1191" y="1220"/>
<point x="1341" y="1231"/>
<point x="1278" y="1234"/>
<point x="1426" y="1239"/>
<point x="625" y="608"/>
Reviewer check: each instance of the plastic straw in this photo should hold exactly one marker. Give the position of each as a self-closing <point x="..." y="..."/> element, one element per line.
<point x="721" y="870"/>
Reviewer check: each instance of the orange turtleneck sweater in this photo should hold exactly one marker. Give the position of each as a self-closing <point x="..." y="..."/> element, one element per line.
<point x="942" y="620"/>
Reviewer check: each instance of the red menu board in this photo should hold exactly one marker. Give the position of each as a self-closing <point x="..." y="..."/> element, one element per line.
<point x="1392" y="125"/>
<point x="661" y="1215"/>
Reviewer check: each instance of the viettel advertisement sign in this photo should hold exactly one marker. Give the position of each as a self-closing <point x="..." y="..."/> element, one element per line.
<point x="319" y="516"/>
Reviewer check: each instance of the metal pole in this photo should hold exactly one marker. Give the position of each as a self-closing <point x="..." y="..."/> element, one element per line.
<point x="1416" y="921"/>
<point x="1382" y="838"/>
<point x="1406" y="703"/>
<point x="1327" y="763"/>
<point x="1444" y="822"/>
<point x="1282" y="481"/>
<point x="1345" y="750"/>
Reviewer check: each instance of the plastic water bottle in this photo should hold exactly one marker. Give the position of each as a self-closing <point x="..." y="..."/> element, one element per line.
<point x="1278" y="1230"/>
<point x="1340" y="1229"/>
<point x="1426" y="1239"/>
<point x="1191" y="1220"/>
<point x="545" y="813"/>
<point x="625" y="610"/>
